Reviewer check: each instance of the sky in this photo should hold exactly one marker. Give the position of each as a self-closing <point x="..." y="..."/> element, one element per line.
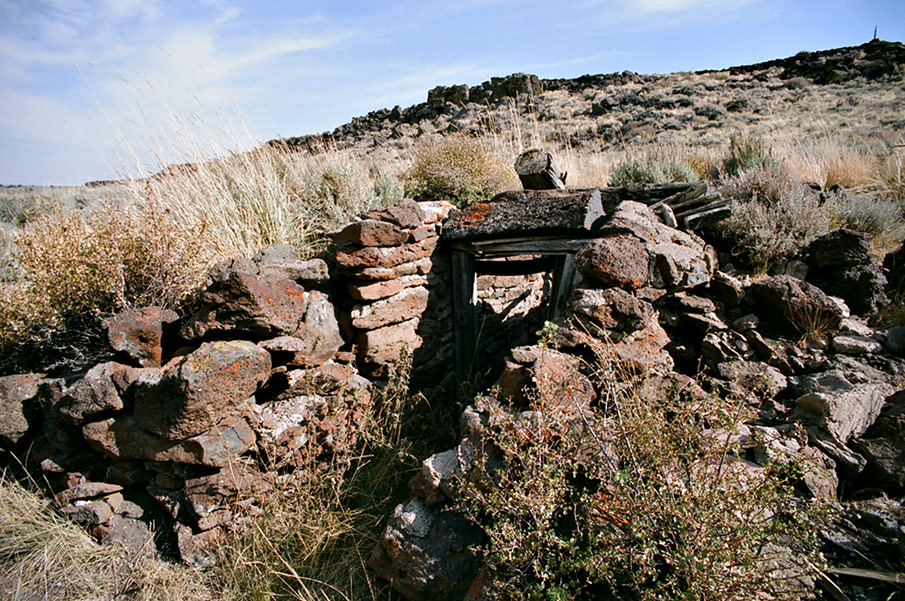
<point x="101" y="89"/>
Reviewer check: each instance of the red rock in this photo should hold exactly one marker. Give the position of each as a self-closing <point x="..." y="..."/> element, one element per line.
<point x="615" y="261"/>
<point x="138" y="333"/>
<point x="385" y="257"/>
<point x="370" y="232"/>
<point x="379" y="290"/>
<point x="237" y="301"/>
<point x="205" y="386"/>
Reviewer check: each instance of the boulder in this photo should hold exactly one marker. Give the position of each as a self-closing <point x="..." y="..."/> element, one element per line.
<point x="840" y="264"/>
<point x="240" y="301"/>
<point x="843" y="409"/>
<point x="276" y="254"/>
<point x="883" y="445"/>
<point x="406" y="214"/>
<point x="138" y="333"/>
<point x="99" y="391"/>
<point x="196" y="392"/>
<point x="794" y="307"/>
<point x="19" y="409"/>
<point x="312" y="273"/>
<point x="753" y="376"/>
<point x="635" y="249"/>
<point x="551" y="377"/>
<point x="426" y="552"/>
<point x="612" y="309"/>
<point x="121" y="437"/>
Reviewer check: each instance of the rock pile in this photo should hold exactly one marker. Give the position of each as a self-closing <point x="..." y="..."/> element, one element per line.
<point x="257" y="384"/>
<point x="656" y="299"/>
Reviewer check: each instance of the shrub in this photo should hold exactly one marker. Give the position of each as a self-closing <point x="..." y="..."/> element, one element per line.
<point x="772" y="218"/>
<point x="76" y="268"/>
<point x="653" y="172"/>
<point x="640" y="498"/>
<point x="459" y="169"/>
<point x="746" y="152"/>
<point x="880" y="217"/>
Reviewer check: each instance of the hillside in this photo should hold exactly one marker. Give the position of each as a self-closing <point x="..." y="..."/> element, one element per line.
<point x="852" y="92"/>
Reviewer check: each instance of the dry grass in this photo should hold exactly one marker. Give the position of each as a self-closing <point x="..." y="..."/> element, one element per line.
<point x="45" y="556"/>
<point x="830" y="161"/>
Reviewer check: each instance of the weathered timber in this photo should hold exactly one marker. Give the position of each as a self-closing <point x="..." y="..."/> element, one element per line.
<point x="651" y="194"/>
<point x="523" y="246"/>
<point x="706" y="217"/>
<point x="537" y="171"/>
<point x="515" y="267"/>
<point x="563" y="277"/>
<point x="465" y="314"/>
<point x="528" y="213"/>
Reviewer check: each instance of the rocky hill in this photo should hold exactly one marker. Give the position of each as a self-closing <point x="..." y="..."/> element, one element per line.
<point x="854" y="90"/>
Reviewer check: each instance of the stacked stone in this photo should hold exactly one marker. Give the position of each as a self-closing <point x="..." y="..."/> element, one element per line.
<point x="394" y="279"/>
<point x="257" y="385"/>
<point x="510" y="306"/>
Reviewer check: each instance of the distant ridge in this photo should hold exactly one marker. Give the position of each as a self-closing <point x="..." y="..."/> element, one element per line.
<point x="874" y="61"/>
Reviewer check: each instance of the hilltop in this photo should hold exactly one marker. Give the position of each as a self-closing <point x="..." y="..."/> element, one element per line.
<point x="855" y="91"/>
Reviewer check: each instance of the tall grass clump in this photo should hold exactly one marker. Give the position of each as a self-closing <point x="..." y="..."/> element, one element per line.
<point x="772" y="217"/>
<point x="246" y="201"/>
<point x="639" y="498"/>
<point x="44" y="555"/>
<point x="459" y="169"/>
<point x="830" y="162"/>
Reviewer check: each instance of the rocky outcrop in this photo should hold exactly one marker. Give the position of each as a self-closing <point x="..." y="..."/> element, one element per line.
<point x="841" y="265"/>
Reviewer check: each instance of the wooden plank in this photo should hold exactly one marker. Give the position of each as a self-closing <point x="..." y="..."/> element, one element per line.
<point x="465" y="315"/>
<point x="525" y="246"/>
<point x="893" y="577"/>
<point x="563" y="278"/>
<point x="523" y="267"/>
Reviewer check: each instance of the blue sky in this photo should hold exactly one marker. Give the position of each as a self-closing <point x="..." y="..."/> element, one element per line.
<point x="92" y="88"/>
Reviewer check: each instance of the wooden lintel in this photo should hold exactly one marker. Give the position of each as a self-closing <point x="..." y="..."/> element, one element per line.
<point x="523" y="267"/>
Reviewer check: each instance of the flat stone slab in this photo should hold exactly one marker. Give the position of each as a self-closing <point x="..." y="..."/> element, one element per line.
<point x="527" y="212"/>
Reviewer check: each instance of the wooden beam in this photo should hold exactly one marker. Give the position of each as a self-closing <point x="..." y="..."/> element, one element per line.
<point x="465" y="314"/>
<point x="523" y="267"/>
<point x="563" y="277"/>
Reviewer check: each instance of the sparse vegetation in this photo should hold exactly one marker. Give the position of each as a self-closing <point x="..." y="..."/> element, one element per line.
<point x="458" y="169"/>
<point x="653" y="172"/>
<point x="747" y="151"/>
<point x="43" y="555"/>
<point x="773" y="217"/>
<point x="640" y="498"/>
